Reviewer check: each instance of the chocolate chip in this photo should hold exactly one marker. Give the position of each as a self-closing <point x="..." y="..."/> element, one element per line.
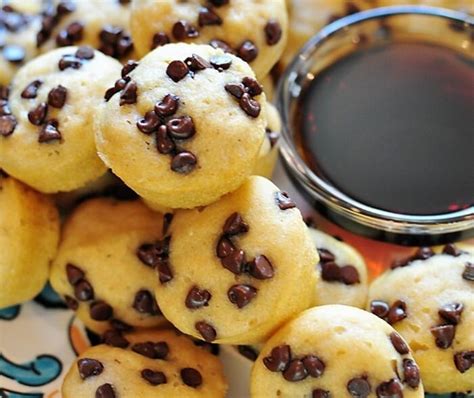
<point x="219" y="3"/>
<point x="234" y="262"/>
<point x="273" y="136"/>
<point x="114" y="338"/>
<point x="148" y="254"/>
<point x="71" y="303"/>
<point x="153" y="377"/>
<point x="181" y="128"/>
<point x="49" y="131"/>
<point x="197" y="298"/>
<point x="451" y="313"/>
<point x="110" y="34"/>
<point x="207" y="16"/>
<point x="57" y="96"/>
<point x="241" y="295"/>
<point x="468" y="273"/>
<point x="83" y="290"/>
<point x="164" y="143"/>
<point x="452" y="250"/>
<point x="184" y="162"/>
<point x="191" y="377"/>
<point x="411" y="373"/>
<point x="184" y="30"/>
<point x="235" y="225"/>
<point x="325" y="255"/>
<point x="85" y="52"/>
<point x="283" y="200"/>
<point x="177" y="70"/>
<point x="295" y="371"/>
<point x="14" y="53"/>
<point x="74" y="274"/>
<point x="399" y="344"/>
<point x="423" y="253"/>
<point x="464" y="360"/>
<point x="70" y="35"/>
<point x="105" y="391"/>
<point x="31" y="90"/>
<point x="7" y="125"/>
<point x="349" y="275"/>
<point x="4" y="108"/>
<point x="159" y="39"/>
<point x="272" y="32"/>
<point x="330" y="272"/>
<point x="359" y="387"/>
<point x="167" y="106"/>
<point x="221" y="44"/>
<point x="118" y="86"/>
<point x="390" y="389"/>
<point x="196" y="63"/>
<point x="379" y="308"/>
<point x="149" y="123"/>
<point x="129" y="94"/>
<point x="4" y="92"/>
<point x="248" y="51"/>
<point x="221" y="62"/>
<point x="248" y="352"/>
<point x="152" y="350"/>
<point x="444" y="335"/>
<point x="235" y="89"/>
<point x="319" y="393"/>
<point x="253" y="87"/>
<point x="120" y="326"/>
<point x="69" y="61"/>
<point x="249" y="105"/>
<point x="145" y="303"/>
<point x="279" y="359"/>
<point x="261" y="268"/>
<point x="129" y="67"/>
<point x="37" y="115"/>
<point x="100" y="311"/>
<point x="225" y="247"/>
<point x="314" y="365"/>
<point x="398" y="311"/>
<point x="65" y="7"/>
<point x="207" y="331"/>
<point x="89" y="367"/>
<point x="164" y="272"/>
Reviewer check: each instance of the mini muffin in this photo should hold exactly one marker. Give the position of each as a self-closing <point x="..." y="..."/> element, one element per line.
<point x="336" y="351"/>
<point x="150" y="364"/>
<point x="46" y="135"/>
<point x="255" y="31"/>
<point x="184" y="126"/>
<point x="429" y="300"/>
<point x="238" y="268"/>
<point x="105" y="264"/>
<point x="342" y="272"/>
<point x="29" y="236"/>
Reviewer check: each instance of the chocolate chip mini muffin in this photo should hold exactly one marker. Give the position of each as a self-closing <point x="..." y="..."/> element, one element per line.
<point x="102" y="24"/>
<point x="105" y="264"/>
<point x="256" y="31"/>
<point x="46" y="135"/>
<point x="184" y="126"/>
<point x="238" y="268"/>
<point x="342" y="272"/>
<point x="150" y="364"/>
<point x="29" y="236"/>
<point x="429" y="299"/>
<point x="336" y="351"/>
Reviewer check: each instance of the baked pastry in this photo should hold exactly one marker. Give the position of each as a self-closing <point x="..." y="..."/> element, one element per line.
<point x="336" y="351"/>
<point x="29" y="235"/>
<point x="342" y="273"/>
<point x="235" y="269"/>
<point x="429" y="299"/>
<point x="150" y="364"/>
<point x="47" y="118"/>
<point x="105" y="264"/>
<point x="178" y="112"/>
<point x="255" y="31"/>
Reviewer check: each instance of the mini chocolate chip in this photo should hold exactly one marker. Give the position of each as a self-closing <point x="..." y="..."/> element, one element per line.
<point x="120" y="326"/>
<point x="37" y="115"/>
<point x="207" y="331"/>
<point x="105" y="391"/>
<point x="235" y="89"/>
<point x="4" y="92"/>
<point x="399" y="344"/>
<point x="234" y="261"/>
<point x="85" y="52"/>
<point x="74" y="274"/>
<point x="129" y="94"/>
<point x="70" y="35"/>
<point x="69" y="61"/>
<point x="14" y="53"/>
<point x="177" y="70"/>
<point x="31" y="90"/>
<point x="184" y="30"/>
<point x="164" y="272"/>
<point x="161" y="349"/>
<point x="235" y="225"/>
<point x="57" y="96"/>
<point x="83" y="290"/>
<point x="241" y="295"/>
<point x="118" y="86"/>
<point x="129" y="67"/>
<point x="153" y="377"/>
<point x="451" y="313"/>
<point x="89" y="367"/>
<point x="114" y="338"/>
<point x="464" y="360"/>
<point x="295" y="371"/>
<point x="411" y="373"/>
<point x="325" y="255"/>
<point x="349" y="275"/>
<point x="248" y="352"/>
<point x="444" y="335"/>
<point x="390" y="389"/>
<point x="468" y="273"/>
<point x="423" y="253"/>
<point x="145" y="303"/>
<point x="181" y="128"/>
<point x="167" y="106"/>
<point x="65" y="7"/>
<point x="149" y="123"/>
<point x="184" y="162"/>
<point x="273" y="136"/>
<point x="164" y="143"/>
<point x="314" y="365"/>
<point x="330" y="272"/>
<point x="249" y="105"/>
<point x="110" y="34"/>
<point x="152" y="350"/>
<point x="248" y="51"/>
<point x="221" y="62"/>
<point x="279" y="359"/>
<point x="197" y="298"/>
<point x="272" y="32"/>
<point x="191" y="377"/>
<point x="284" y="202"/>
<point x="219" y="3"/>
<point x="452" y="250"/>
<point x="359" y="387"/>
<point x="159" y="39"/>
<point x="196" y="63"/>
<point x="148" y="254"/>
<point x="71" y="303"/>
<point x="49" y="131"/>
<point x="207" y="16"/>
<point x="4" y="108"/>
<point x="261" y="268"/>
<point x="319" y="393"/>
<point x="253" y="87"/>
<point x="100" y="311"/>
<point x="221" y="44"/>
<point x="225" y="247"/>
<point x="7" y="125"/>
<point x="398" y="311"/>
<point x="379" y="308"/>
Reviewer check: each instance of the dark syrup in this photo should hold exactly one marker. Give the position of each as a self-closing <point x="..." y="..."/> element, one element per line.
<point x="393" y="127"/>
